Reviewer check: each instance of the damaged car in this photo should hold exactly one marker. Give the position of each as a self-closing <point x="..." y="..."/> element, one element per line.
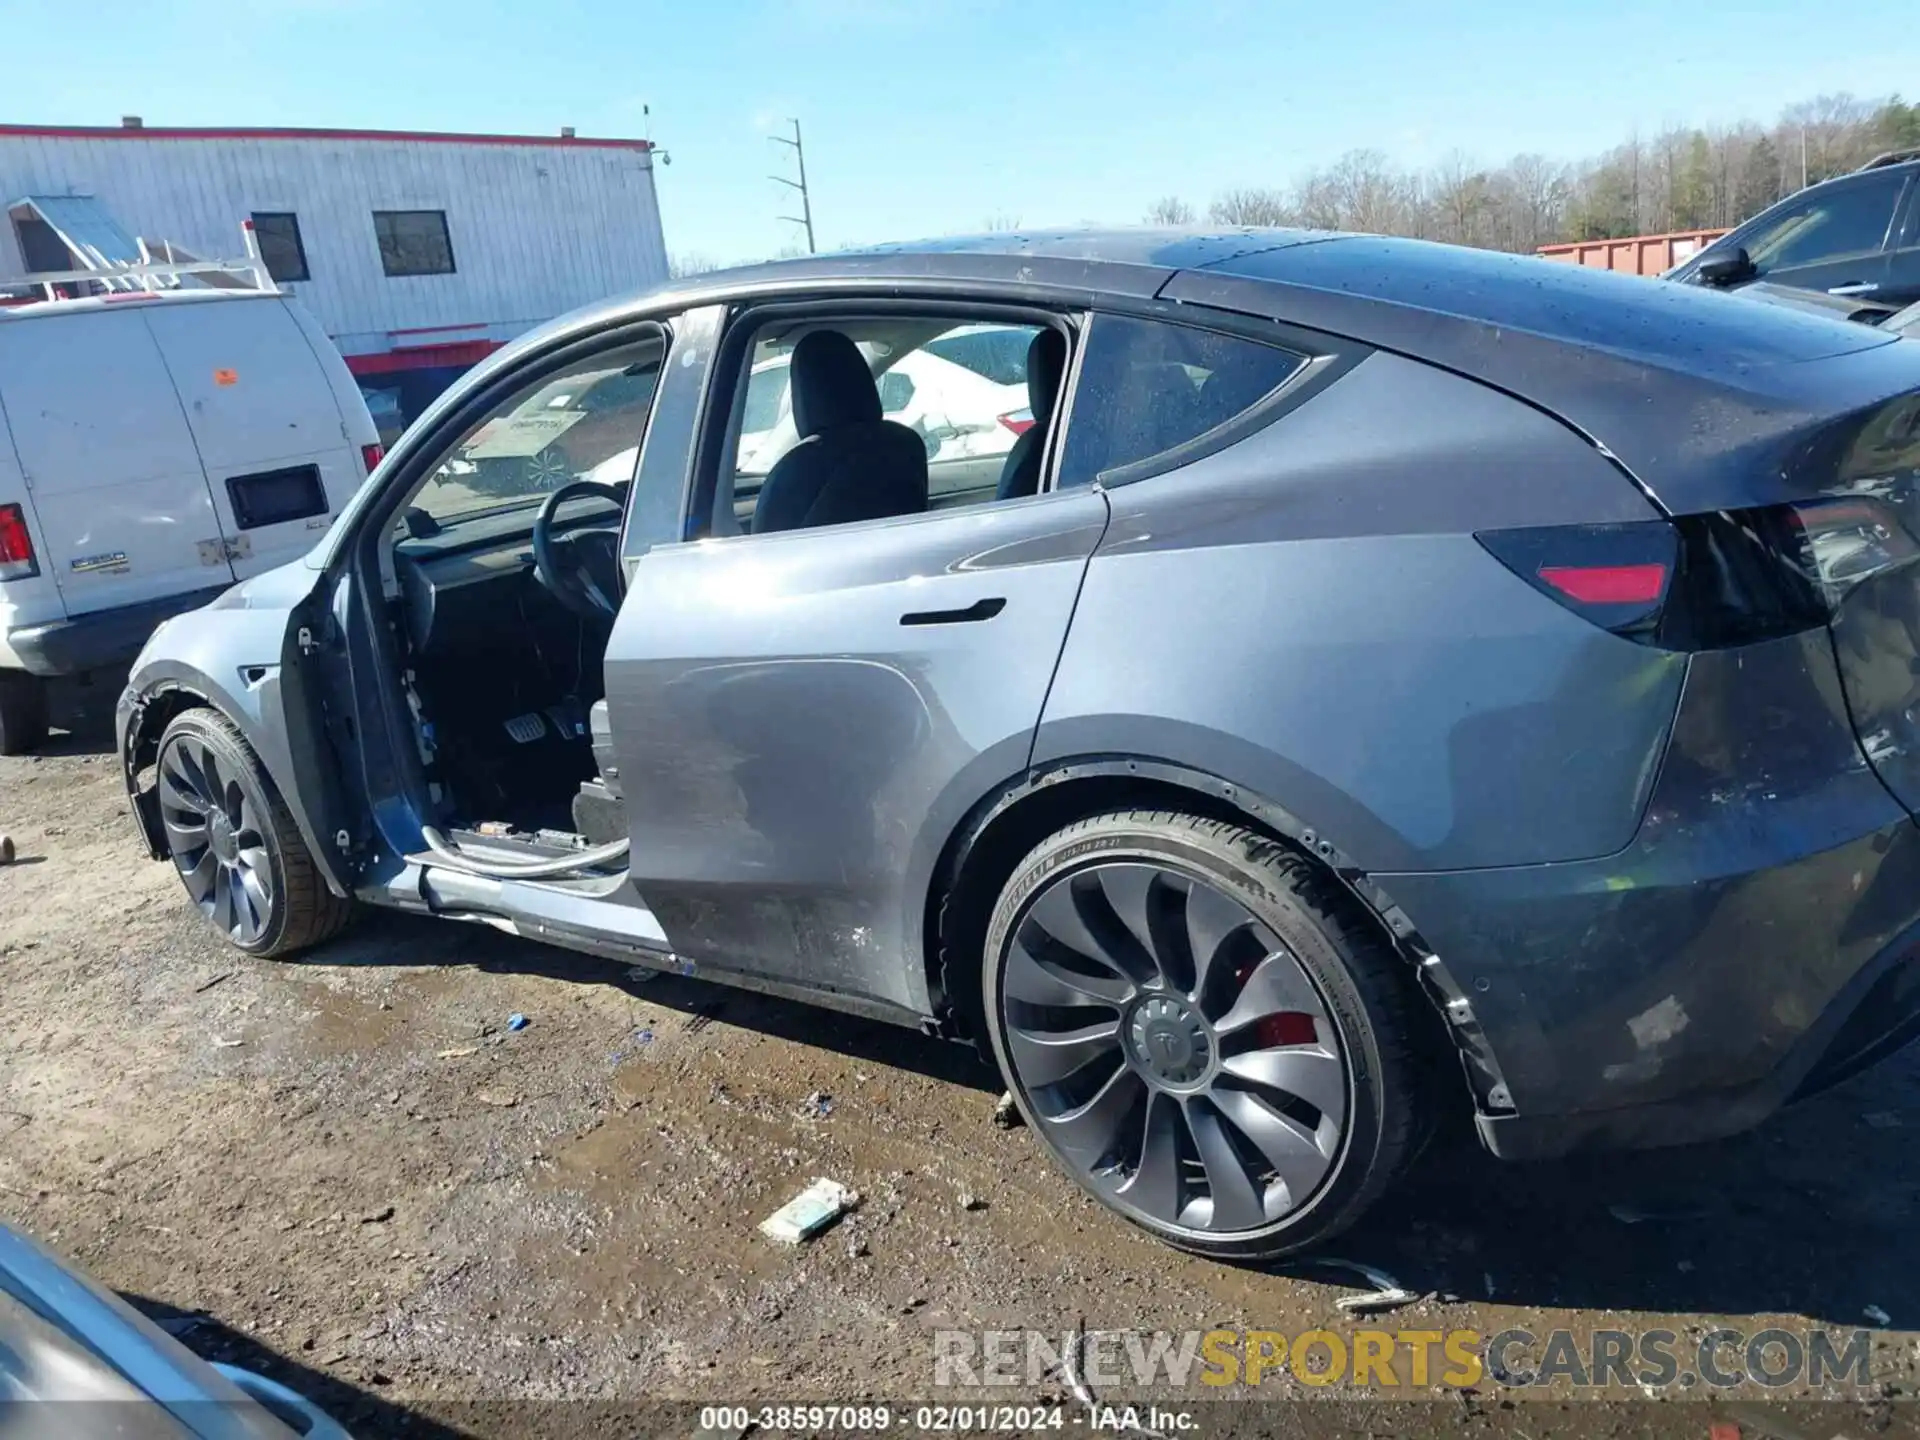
<point x="1382" y="682"/>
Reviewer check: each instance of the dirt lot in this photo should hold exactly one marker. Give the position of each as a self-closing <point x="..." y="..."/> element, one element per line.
<point x="358" y="1179"/>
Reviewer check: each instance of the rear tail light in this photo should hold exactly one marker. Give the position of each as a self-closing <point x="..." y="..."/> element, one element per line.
<point x="1018" y="421"/>
<point x="371" y="455"/>
<point x="1712" y="581"/>
<point x="17" y="560"/>
<point x="1617" y="576"/>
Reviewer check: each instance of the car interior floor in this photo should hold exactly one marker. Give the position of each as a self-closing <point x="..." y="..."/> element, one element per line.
<point x="508" y="720"/>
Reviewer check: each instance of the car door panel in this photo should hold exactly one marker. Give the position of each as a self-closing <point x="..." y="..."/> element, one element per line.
<point x="802" y="720"/>
<point x="1901" y="286"/>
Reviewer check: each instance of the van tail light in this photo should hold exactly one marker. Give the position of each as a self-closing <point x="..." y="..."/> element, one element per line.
<point x="371" y="455"/>
<point x="1018" y="421"/>
<point x="17" y="561"/>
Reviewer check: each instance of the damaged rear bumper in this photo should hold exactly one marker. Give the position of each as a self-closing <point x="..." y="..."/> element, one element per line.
<point x="1759" y="939"/>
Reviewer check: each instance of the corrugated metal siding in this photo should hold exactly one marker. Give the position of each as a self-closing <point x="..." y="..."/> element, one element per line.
<point x="536" y="230"/>
<point x="1635" y="255"/>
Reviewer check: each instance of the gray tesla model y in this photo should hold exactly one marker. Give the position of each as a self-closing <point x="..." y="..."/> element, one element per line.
<point x="1269" y="690"/>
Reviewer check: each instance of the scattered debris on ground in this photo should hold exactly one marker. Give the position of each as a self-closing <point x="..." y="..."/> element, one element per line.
<point x="817" y="1106"/>
<point x="1877" y="1315"/>
<point x="1006" y="1114"/>
<point x="499" y="1099"/>
<point x="809" y="1212"/>
<point x="1387" y="1293"/>
<point x="516" y="1022"/>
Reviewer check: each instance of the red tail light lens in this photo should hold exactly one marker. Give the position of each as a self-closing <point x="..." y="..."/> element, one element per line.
<point x="371" y="455"/>
<point x="1617" y="576"/>
<point x="17" y="560"/>
<point x="1018" y="421"/>
<point x="1607" y="584"/>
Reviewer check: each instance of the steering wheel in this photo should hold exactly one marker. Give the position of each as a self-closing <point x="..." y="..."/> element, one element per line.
<point x="581" y="567"/>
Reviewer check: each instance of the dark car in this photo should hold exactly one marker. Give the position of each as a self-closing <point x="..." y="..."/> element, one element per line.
<point x="1384" y="681"/>
<point x="1854" y="236"/>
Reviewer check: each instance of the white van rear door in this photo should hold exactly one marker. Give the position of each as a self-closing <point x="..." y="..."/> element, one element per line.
<point x="278" y="459"/>
<point x="110" y="466"/>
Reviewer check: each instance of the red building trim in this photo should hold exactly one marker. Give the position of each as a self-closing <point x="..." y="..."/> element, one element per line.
<point x="422" y="357"/>
<point x="430" y="137"/>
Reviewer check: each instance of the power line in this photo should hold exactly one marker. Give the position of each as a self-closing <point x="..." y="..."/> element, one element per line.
<point x="805" y="217"/>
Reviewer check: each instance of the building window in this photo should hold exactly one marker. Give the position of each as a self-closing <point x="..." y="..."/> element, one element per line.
<point x="413" y="242"/>
<point x="42" y="251"/>
<point x="279" y="235"/>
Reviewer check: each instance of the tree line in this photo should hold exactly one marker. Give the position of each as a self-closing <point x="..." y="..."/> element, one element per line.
<point x="1680" y="179"/>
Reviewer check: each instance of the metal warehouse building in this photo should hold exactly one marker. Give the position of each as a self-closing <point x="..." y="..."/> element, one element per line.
<point x="417" y="252"/>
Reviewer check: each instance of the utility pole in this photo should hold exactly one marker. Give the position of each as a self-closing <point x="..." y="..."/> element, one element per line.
<point x="805" y="217"/>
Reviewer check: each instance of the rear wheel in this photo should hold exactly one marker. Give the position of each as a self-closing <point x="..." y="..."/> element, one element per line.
<point x="1203" y="1030"/>
<point x="23" y="712"/>
<point x="234" y="843"/>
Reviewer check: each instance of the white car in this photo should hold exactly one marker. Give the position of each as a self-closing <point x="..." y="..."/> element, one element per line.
<point x="963" y="391"/>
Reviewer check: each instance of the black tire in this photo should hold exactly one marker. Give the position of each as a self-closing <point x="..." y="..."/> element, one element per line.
<point x="23" y="712"/>
<point x="1185" y="1045"/>
<point x="266" y="897"/>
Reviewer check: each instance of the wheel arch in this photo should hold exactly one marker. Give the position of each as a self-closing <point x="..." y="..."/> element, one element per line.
<point x="983" y="851"/>
<point x="153" y="701"/>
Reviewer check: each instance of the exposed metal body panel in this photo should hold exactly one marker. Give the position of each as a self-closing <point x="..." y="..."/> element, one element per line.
<point x="803" y="719"/>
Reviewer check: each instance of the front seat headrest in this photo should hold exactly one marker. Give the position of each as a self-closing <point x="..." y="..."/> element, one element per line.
<point x="1046" y="363"/>
<point x="831" y="384"/>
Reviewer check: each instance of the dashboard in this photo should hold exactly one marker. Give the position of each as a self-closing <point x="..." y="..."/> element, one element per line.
<point x="458" y="586"/>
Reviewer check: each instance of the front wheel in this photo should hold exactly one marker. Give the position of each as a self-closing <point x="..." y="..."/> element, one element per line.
<point x="1203" y="1031"/>
<point x="236" y="846"/>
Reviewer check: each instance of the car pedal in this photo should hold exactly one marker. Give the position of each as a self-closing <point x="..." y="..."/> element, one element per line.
<point x="525" y="729"/>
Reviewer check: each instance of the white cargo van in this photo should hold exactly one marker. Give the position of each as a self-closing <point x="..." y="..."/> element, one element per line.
<point x="154" y="448"/>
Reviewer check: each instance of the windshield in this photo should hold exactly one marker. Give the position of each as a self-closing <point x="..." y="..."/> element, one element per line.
<point x="582" y="425"/>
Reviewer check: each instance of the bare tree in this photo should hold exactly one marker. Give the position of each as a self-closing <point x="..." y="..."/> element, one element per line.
<point x="693" y="263"/>
<point x="1000" y="220"/>
<point x="1682" y="179"/>
<point x="1251" y="207"/>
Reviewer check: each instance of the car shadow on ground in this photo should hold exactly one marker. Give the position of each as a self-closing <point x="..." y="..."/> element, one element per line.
<point x="81" y="714"/>
<point x="1810" y="1214"/>
<point x="393" y="939"/>
<point x="360" y="1410"/>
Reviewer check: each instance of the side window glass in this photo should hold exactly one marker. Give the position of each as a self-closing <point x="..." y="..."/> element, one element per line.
<point x="1849" y="221"/>
<point x="582" y="424"/>
<point x="1147" y="387"/>
<point x="896" y="392"/>
<point x="960" y="387"/>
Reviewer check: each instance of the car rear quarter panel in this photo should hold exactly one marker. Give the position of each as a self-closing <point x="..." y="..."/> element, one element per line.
<point x="1307" y="615"/>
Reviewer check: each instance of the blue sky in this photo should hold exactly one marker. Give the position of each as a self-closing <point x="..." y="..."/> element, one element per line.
<point x="932" y="116"/>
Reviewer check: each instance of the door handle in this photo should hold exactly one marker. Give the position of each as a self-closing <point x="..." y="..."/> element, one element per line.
<point x="1853" y="287"/>
<point x="979" y="610"/>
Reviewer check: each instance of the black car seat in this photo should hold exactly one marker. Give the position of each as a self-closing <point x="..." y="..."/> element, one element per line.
<point x="850" y="464"/>
<point x="1046" y="364"/>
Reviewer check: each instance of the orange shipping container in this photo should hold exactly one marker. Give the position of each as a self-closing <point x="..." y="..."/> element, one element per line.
<point x="1635" y="254"/>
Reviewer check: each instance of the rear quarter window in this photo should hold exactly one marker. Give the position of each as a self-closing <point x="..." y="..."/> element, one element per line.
<point x="1147" y="388"/>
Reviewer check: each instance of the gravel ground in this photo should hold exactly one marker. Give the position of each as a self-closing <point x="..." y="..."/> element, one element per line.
<point x="349" y="1172"/>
